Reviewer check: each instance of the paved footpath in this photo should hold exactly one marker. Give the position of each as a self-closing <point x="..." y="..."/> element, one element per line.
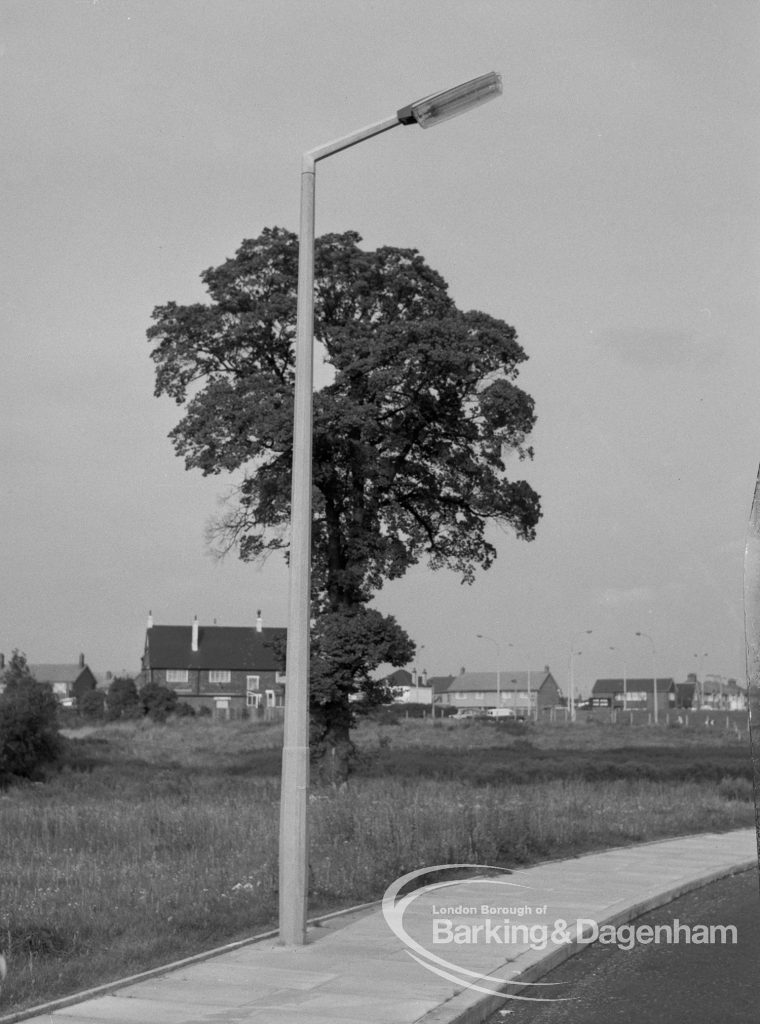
<point x="355" y="970"/>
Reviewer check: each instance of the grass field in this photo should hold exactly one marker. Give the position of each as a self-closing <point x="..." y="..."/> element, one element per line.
<point x="155" y="842"/>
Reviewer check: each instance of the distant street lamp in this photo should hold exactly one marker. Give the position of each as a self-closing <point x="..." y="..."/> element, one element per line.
<point x="700" y="677"/>
<point x="295" y="756"/>
<point x="654" y="677"/>
<point x="480" y="636"/>
<point x="530" y="703"/>
<point x="586" y="632"/>
<point x="625" y="684"/>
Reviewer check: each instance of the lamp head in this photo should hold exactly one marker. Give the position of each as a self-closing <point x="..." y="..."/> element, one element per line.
<point x="441" y="106"/>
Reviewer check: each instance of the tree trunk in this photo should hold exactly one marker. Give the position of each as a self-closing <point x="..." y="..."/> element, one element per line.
<point x="332" y="752"/>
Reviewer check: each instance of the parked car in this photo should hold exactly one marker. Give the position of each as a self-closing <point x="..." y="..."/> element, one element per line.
<point x="471" y="713"/>
<point x="501" y="713"/>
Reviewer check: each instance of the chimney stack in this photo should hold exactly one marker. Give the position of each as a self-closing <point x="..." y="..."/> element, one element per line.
<point x="150" y="620"/>
<point x="194" y="647"/>
<point x="258" y="621"/>
<point x="81" y="661"/>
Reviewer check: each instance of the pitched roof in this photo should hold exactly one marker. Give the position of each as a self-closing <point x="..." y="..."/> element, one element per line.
<point x="400" y="677"/>
<point x="57" y="673"/>
<point x="219" y="647"/>
<point x="631" y="685"/>
<point x="440" y="683"/>
<point x="467" y="682"/>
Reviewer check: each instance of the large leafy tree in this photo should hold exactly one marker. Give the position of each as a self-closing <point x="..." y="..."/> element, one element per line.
<point x="411" y="437"/>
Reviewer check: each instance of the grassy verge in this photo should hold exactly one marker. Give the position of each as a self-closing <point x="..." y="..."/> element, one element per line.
<point x="157" y="842"/>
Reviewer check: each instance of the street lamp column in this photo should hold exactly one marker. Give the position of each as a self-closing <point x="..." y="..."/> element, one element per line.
<point x="480" y="636"/>
<point x="700" y="681"/>
<point x="295" y="756"/>
<point x="654" y="677"/>
<point x="583" y="632"/>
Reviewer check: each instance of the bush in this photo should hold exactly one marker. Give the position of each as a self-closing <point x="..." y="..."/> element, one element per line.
<point x="92" y="704"/>
<point x="29" y="738"/>
<point x="184" y="710"/>
<point x="158" y="701"/>
<point x="122" y="700"/>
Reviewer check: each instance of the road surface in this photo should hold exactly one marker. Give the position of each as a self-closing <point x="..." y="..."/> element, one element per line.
<point x="669" y="983"/>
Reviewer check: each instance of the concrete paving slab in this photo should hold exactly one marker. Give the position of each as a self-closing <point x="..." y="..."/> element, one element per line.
<point x="362" y="972"/>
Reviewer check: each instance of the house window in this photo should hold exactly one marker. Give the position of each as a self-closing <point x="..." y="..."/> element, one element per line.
<point x="252" y="699"/>
<point x="252" y="684"/>
<point x="176" y="675"/>
<point x="219" y="676"/>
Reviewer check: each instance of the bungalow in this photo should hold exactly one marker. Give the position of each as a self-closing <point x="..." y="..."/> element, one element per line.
<point x="68" y="681"/>
<point x="232" y="670"/>
<point x="524" y="691"/>
<point x="634" y="694"/>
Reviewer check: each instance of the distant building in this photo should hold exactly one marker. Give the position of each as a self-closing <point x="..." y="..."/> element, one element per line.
<point x="409" y="688"/>
<point x="229" y="669"/>
<point x="713" y="693"/>
<point x="634" y="694"/>
<point x="68" y="680"/>
<point x="521" y="691"/>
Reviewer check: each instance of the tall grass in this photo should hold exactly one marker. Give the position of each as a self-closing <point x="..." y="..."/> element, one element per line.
<point x="162" y="841"/>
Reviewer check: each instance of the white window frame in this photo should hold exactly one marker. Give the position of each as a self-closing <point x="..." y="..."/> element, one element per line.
<point x="271" y="699"/>
<point x="219" y="675"/>
<point x="252" y="684"/>
<point x="177" y="676"/>
<point x="253" y="699"/>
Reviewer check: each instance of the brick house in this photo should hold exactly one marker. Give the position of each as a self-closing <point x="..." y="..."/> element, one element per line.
<point x="232" y="670"/>
<point x="521" y="691"/>
<point x="69" y="681"/>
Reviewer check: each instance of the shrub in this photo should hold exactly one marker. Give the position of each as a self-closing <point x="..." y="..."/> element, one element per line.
<point x="92" y="704"/>
<point x="158" y="701"/>
<point x="122" y="700"/>
<point x="29" y="737"/>
<point x="184" y="710"/>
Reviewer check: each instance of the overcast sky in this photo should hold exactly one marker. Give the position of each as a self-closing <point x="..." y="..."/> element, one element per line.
<point x="606" y="206"/>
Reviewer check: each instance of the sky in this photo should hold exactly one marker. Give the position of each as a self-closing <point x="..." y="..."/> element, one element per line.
<point x="606" y="206"/>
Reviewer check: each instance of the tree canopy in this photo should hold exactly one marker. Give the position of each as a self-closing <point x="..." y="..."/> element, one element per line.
<point x="411" y="436"/>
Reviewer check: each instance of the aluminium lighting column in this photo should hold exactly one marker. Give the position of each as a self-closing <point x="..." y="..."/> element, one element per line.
<point x="295" y="756"/>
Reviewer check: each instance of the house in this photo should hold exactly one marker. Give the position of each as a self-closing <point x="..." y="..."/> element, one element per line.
<point x="408" y="688"/>
<point x="69" y="681"/>
<point x="522" y="691"/>
<point x="685" y="693"/>
<point x="232" y="670"/>
<point x="634" y="694"/>
<point x="712" y="693"/>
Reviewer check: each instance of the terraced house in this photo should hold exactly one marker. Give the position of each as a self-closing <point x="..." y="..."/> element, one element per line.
<point x="231" y="670"/>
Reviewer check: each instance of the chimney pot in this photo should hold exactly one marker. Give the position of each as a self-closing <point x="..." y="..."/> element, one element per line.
<point x="194" y="645"/>
<point x="258" y="621"/>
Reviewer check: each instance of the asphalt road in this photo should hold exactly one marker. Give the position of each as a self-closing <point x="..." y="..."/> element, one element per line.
<point x="672" y="984"/>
